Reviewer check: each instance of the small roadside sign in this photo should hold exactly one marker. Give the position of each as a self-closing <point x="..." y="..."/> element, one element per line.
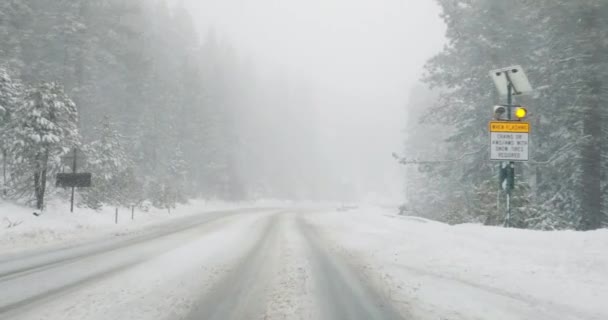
<point x="509" y="141"/>
<point x="74" y="180"/>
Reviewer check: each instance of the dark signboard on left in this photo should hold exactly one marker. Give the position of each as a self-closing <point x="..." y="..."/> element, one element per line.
<point x="74" y="180"/>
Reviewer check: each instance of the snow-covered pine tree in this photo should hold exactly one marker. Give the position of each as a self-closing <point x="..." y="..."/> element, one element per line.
<point x="478" y="42"/>
<point x="142" y="62"/>
<point x="107" y="161"/>
<point x="570" y="103"/>
<point x="434" y="190"/>
<point x="15" y="24"/>
<point x="9" y="93"/>
<point x="560" y="54"/>
<point x="43" y="128"/>
<point x="9" y="98"/>
<point x="131" y="189"/>
<point x="590" y="34"/>
<point x="177" y="173"/>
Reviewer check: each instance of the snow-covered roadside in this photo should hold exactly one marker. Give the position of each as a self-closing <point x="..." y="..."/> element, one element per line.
<point x="437" y="271"/>
<point x="20" y="230"/>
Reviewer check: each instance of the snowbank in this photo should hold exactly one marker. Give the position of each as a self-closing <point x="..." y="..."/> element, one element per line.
<point x="20" y="230"/>
<point x="437" y="271"/>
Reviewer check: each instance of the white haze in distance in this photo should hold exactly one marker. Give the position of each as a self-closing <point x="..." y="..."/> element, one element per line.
<point x="362" y="56"/>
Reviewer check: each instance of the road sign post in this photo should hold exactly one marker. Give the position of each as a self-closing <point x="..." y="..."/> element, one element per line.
<point x="73" y="180"/>
<point x="509" y="140"/>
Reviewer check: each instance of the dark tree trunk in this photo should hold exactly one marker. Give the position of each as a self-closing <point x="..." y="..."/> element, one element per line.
<point x="4" y="163"/>
<point x="40" y="179"/>
<point x="39" y="200"/>
<point x="591" y="153"/>
<point x="591" y="192"/>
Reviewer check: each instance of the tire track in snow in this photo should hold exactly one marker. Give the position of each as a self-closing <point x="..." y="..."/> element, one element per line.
<point x="289" y="274"/>
<point x="340" y="292"/>
<point x="49" y="282"/>
<point x="242" y="293"/>
<point x="290" y="296"/>
<point x="15" y="266"/>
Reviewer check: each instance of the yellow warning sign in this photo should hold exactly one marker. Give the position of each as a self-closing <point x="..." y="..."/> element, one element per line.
<point x="516" y="127"/>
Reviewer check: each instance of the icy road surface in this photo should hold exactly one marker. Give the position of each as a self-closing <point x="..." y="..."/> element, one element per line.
<point x="312" y="264"/>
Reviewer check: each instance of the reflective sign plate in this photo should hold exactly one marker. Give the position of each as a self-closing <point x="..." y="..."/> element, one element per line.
<point x="508" y="146"/>
<point x="509" y="141"/>
<point x="511" y="126"/>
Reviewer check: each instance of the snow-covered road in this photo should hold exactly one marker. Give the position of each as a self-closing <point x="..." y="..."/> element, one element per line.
<point x="307" y="264"/>
<point x="262" y="264"/>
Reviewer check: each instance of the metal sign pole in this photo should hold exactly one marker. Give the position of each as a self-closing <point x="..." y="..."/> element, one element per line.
<point x="73" y="171"/>
<point x="509" y="172"/>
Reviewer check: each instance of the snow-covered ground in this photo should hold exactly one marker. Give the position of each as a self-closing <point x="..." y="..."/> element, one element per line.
<point x="301" y="263"/>
<point x="20" y="230"/>
<point x="437" y="271"/>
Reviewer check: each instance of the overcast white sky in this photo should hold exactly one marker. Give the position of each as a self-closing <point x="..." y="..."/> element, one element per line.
<point x="364" y="55"/>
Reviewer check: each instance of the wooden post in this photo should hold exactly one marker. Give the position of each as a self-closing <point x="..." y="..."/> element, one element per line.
<point x="116" y="216"/>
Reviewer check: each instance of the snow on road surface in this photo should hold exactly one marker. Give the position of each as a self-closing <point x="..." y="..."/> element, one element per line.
<point x="157" y="279"/>
<point x="244" y="264"/>
<point x="20" y="230"/>
<point x="437" y="271"/>
<point x="295" y="263"/>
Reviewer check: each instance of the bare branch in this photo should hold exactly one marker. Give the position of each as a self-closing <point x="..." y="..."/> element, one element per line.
<point x="11" y="224"/>
<point x="405" y="161"/>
